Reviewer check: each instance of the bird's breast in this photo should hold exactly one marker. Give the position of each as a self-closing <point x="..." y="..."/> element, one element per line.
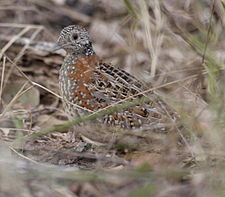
<point x="75" y="79"/>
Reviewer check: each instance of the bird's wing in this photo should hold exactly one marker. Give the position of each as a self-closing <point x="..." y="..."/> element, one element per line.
<point x="113" y="84"/>
<point x="110" y="85"/>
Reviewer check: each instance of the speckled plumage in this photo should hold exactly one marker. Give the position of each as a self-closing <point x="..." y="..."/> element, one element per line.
<point x="88" y="84"/>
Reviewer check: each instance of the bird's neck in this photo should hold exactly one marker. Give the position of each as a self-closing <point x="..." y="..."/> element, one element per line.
<point x="89" y="51"/>
<point x="76" y="55"/>
<point x="73" y="57"/>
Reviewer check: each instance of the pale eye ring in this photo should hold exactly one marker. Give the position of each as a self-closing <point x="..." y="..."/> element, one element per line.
<point x="75" y="36"/>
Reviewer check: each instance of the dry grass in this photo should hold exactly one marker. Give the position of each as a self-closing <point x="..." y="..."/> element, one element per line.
<point x="176" y="46"/>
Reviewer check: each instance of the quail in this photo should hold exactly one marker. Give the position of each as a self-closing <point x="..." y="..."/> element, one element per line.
<point x="88" y="84"/>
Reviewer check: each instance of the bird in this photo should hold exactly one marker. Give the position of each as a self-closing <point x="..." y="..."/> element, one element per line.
<point x="88" y="84"/>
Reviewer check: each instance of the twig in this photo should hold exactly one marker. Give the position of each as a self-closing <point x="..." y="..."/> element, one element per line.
<point x="18" y="94"/>
<point x="5" y="48"/>
<point x="22" y="156"/>
<point x="18" y="8"/>
<point x="21" y="53"/>
<point x="2" y="76"/>
<point x="208" y="31"/>
<point x="20" y="25"/>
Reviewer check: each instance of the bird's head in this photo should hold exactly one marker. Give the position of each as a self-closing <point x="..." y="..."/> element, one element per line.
<point x="75" y="39"/>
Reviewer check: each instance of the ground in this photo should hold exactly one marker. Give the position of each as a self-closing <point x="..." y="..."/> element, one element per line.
<point x="174" y="47"/>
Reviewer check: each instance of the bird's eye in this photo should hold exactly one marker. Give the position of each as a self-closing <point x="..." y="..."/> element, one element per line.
<point x="75" y="36"/>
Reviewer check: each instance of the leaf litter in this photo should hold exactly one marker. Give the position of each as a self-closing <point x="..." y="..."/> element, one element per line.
<point x="116" y="162"/>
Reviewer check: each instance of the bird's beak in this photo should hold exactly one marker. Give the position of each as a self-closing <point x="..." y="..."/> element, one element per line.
<point x="60" y="46"/>
<point x="56" y="47"/>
